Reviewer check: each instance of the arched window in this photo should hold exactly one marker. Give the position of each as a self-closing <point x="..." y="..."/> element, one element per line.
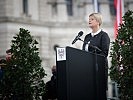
<point x="69" y="4"/>
<point x="112" y="7"/>
<point x="54" y="8"/>
<point x="25" y="7"/>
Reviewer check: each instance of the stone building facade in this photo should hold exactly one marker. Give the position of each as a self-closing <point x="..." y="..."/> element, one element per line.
<point x="53" y="23"/>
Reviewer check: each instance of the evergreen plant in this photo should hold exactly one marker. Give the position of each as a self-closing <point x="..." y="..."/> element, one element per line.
<point x="23" y="75"/>
<point x="121" y="70"/>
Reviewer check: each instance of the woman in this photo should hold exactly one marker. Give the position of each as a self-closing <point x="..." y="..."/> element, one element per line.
<point x="97" y="41"/>
<point x="97" y="38"/>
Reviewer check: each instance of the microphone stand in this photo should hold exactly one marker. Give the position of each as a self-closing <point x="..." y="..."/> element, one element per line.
<point x="96" y="68"/>
<point x="94" y="47"/>
<point x="96" y="75"/>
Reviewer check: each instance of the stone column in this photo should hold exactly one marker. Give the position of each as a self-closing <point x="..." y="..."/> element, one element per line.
<point x="89" y="9"/>
<point x="130" y="2"/>
<point x="61" y="10"/>
<point x="105" y="10"/>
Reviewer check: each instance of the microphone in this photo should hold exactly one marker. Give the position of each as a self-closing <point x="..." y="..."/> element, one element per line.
<point x="77" y="37"/>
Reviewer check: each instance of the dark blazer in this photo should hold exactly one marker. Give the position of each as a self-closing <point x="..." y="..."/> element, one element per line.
<point x="101" y="41"/>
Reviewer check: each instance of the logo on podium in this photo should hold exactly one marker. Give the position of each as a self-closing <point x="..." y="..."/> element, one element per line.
<point x="61" y="54"/>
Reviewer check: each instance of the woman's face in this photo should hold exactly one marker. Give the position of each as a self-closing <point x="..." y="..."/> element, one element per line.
<point x="93" y="22"/>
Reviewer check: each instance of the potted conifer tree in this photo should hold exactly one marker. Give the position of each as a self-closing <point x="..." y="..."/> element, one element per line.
<point x="23" y="75"/>
<point x="121" y="70"/>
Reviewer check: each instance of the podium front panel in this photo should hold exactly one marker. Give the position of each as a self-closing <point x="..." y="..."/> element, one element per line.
<point x="76" y="76"/>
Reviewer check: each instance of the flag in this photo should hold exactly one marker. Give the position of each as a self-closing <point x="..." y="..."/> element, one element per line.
<point x="119" y="12"/>
<point x="95" y="3"/>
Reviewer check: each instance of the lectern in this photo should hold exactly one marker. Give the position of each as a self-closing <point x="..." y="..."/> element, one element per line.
<point x="80" y="75"/>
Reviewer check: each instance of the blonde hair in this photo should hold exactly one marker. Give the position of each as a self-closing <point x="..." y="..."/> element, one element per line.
<point x="98" y="17"/>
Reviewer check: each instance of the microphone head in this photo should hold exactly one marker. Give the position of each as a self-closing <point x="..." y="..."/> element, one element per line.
<point x="80" y="33"/>
<point x="77" y="37"/>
